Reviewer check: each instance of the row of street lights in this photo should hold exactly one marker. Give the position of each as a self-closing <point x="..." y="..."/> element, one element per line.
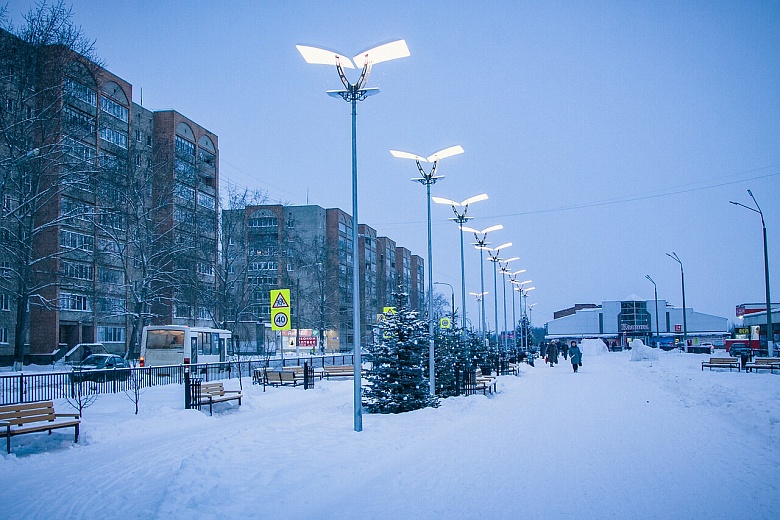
<point x="352" y="93"/>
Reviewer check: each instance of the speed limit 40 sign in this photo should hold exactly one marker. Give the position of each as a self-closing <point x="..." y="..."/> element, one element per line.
<point x="280" y="309"/>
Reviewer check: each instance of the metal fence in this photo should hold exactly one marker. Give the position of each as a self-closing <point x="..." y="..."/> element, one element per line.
<point x="47" y="386"/>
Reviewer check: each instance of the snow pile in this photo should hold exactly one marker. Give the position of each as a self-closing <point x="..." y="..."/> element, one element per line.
<point x="641" y="352"/>
<point x="593" y="347"/>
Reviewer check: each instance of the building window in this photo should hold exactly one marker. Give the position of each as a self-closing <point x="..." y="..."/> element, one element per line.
<point x="262" y="222"/>
<point x="112" y="276"/>
<point x="78" y="122"/>
<point x="185" y="148"/>
<point x="5" y="269"/>
<point x="81" y="92"/>
<point x="114" y="136"/>
<point x="74" y="302"/>
<point x="73" y="240"/>
<point x="206" y="269"/>
<point x="112" y="107"/>
<point x="203" y="313"/>
<point x="111" y="305"/>
<point x="111" y="334"/>
<point x="138" y="160"/>
<point x="77" y="270"/>
<point x="139" y="136"/>
<point x="207" y="201"/>
<point x="4" y="335"/>
<point x="5" y="302"/>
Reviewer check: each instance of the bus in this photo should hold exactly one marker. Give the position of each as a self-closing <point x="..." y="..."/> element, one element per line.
<point x="163" y="345"/>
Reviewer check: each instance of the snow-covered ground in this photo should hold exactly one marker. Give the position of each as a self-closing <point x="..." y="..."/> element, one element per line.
<point x="620" y="439"/>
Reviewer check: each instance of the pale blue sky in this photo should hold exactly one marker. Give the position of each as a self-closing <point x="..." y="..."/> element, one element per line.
<point x="605" y="133"/>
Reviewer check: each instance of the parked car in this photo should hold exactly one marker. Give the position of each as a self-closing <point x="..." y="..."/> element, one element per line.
<point x="100" y="367"/>
<point x="740" y="349"/>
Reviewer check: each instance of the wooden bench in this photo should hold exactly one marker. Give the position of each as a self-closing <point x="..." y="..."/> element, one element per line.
<point x="719" y="362"/>
<point x="338" y="371"/>
<point x="211" y="393"/>
<point x="282" y="378"/>
<point x="299" y="371"/>
<point x="18" y="419"/>
<point x="765" y="363"/>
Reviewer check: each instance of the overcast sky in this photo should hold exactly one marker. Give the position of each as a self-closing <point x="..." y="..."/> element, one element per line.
<point x="605" y="133"/>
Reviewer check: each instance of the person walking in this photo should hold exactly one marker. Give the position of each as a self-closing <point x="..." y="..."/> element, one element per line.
<point x="552" y="353"/>
<point x="575" y="355"/>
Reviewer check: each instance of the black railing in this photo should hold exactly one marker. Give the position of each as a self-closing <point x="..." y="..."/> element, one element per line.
<point x="48" y="386"/>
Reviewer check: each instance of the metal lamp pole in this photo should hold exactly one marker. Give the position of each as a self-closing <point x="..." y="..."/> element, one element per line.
<point x="504" y="272"/>
<point x="427" y="179"/>
<point x="482" y="243"/>
<point x="770" y="334"/>
<point x="493" y="257"/>
<point x="461" y="218"/>
<point x="352" y="93"/>
<point x="479" y="297"/>
<point x="655" y="294"/>
<point x="676" y="258"/>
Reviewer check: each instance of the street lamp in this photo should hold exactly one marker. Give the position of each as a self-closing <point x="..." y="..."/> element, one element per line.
<point x="504" y="272"/>
<point x="770" y="333"/>
<point x="493" y="257"/>
<point x="655" y="294"/>
<point x="481" y="243"/>
<point x="427" y="179"/>
<point x="513" y="281"/>
<point x="352" y="93"/>
<point x="452" y="290"/>
<point x="519" y="288"/>
<point x="479" y="297"/>
<point x="460" y="218"/>
<point x="524" y="297"/>
<point x="676" y="258"/>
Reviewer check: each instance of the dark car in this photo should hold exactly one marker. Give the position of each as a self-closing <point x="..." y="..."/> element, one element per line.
<point x="740" y="349"/>
<point x="101" y="367"/>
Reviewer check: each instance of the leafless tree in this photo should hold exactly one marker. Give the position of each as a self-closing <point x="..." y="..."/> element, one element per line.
<point x="39" y="153"/>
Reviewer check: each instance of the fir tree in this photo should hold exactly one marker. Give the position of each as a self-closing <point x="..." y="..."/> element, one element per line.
<point x="397" y="382"/>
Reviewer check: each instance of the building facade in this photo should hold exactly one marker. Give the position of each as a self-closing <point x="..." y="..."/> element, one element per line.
<point x="109" y="209"/>
<point x="624" y="321"/>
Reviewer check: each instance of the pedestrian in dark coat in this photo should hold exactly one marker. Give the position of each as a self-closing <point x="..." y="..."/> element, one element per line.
<point x="575" y="355"/>
<point x="552" y="353"/>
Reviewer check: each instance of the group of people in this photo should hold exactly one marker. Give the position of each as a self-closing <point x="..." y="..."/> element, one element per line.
<point x="572" y="352"/>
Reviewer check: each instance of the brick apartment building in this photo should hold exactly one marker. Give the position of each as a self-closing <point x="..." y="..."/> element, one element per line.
<point x="84" y="170"/>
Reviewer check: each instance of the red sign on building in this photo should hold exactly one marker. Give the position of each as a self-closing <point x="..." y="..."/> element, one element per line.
<point x="677" y="327"/>
<point x="307" y="341"/>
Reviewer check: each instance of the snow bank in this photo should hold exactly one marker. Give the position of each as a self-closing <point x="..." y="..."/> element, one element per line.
<point x="593" y="347"/>
<point x="641" y="352"/>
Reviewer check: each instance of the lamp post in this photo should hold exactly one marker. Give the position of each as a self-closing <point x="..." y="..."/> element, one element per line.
<point x="519" y="288"/>
<point x="770" y="334"/>
<point x="524" y="296"/>
<point x="452" y="290"/>
<point x="655" y="294"/>
<point x="461" y="218"/>
<point x="493" y="257"/>
<point x="504" y="272"/>
<point x="427" y="179"/>
<point x="481" y="243"/>
<point x="676" y="258"/>
<point x="514" y="284"/>
<point x="479" y="297"/>
<point x="352" y="93"/>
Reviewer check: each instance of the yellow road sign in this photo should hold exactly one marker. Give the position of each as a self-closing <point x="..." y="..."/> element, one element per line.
<point x="280" y="309"/>
<point x="445" y="323"/>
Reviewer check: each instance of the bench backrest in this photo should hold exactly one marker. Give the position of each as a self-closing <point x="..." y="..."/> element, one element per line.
<point x="19" y="414"/>
<point x="212" y="389"/>
<point x="767" y="361"/>
<point x="340" y="368"/>
<point x="722" y="360"/>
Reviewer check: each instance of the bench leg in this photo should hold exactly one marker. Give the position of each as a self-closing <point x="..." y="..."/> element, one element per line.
<point x="76" y="439"/>
<point x="8" y="438"/>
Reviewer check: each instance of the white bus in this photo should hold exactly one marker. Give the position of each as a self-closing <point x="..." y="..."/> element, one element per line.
<point x="176" y="344"/>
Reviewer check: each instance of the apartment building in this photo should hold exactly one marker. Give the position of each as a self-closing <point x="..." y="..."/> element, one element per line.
<point x="109" y="209"/>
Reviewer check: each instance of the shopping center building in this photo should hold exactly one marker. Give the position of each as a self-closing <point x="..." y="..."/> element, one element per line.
<point x="624" y="321"/>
